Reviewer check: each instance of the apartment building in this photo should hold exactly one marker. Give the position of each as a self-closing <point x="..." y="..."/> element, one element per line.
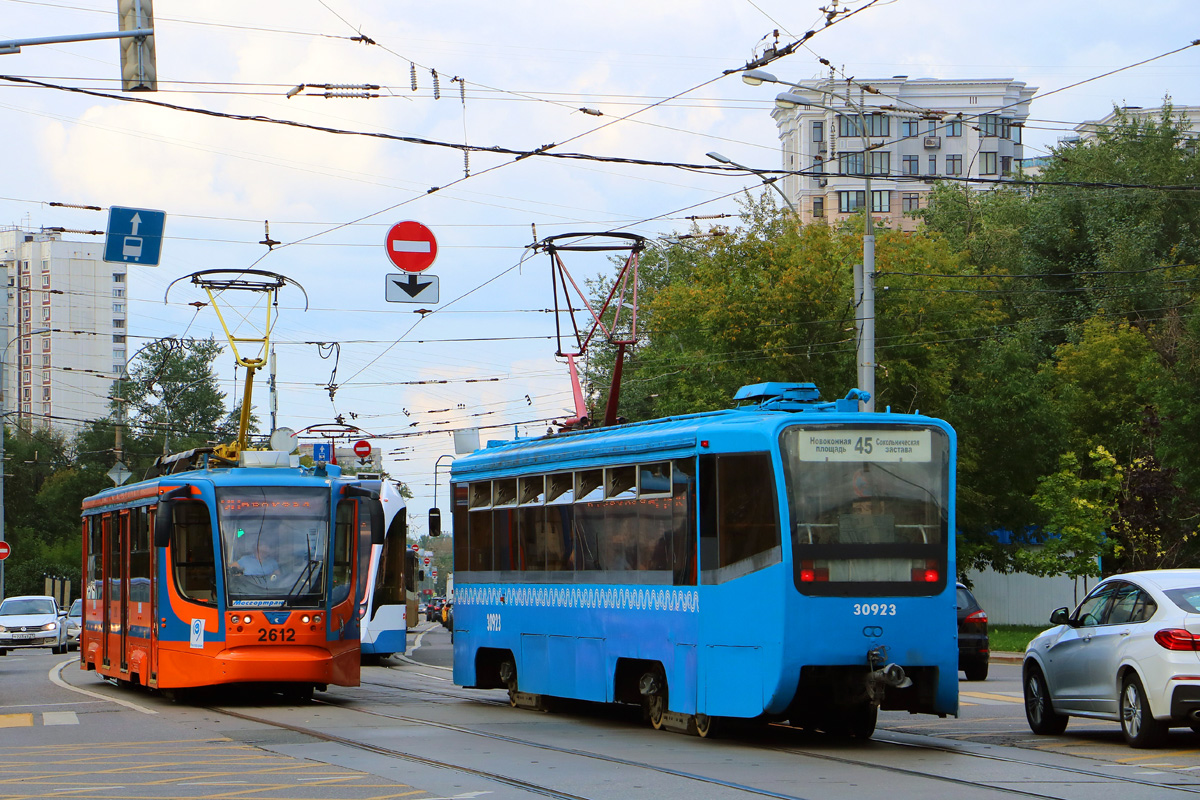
<point x="64" y="329"/>
<point x="903" y="136"/>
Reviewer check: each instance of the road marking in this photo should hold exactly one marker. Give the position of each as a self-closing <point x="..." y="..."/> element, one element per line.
<point x="996" y="698"/>
<point x="56" y="678"/>
<point x="16" y="720"/>
<point x="60" y="718"/>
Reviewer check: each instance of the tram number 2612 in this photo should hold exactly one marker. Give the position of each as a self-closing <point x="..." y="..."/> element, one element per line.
<point x="277" y="634"/>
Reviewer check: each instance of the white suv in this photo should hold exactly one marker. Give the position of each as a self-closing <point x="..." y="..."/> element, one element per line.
<point x="32" y="621"/>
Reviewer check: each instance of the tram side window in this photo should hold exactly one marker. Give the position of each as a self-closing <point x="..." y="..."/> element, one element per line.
<point x="504" y="529"/>
<point x="343" y="550"/>
<point x="458" y="514"/>
<point x="739" y="523"/>
<point x="139" y="556"/>
<point x="479" y="539"/>
<point x="114" y="557"/>
<point x="192" y="552"/>
<point x="95" y="545"/>
<point x="364" y="549"/>
<point x="391" y="580"/>
<point x="683" y="523"/>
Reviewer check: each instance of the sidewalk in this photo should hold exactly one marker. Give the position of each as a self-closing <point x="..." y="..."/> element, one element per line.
<point x="1000" y="657"/>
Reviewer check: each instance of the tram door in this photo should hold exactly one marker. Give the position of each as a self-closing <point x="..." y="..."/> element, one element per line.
<point x="123" y="554"/>
<point x="110" y="570"/>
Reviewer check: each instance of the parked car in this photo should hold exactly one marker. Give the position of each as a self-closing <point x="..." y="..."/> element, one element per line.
<point x="74" y="624"/>
<point x="973" y="646"/>
<point x="448" y="615"/>
<point x="1127" y="653"/>
<point x="32" y="621"/>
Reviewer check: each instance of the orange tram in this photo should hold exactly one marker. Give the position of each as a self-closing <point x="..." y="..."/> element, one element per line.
<point x="215" y="571"/>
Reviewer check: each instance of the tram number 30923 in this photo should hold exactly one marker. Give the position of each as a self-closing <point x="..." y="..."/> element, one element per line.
<point x="874" y="609"/>
<point x="277" y="634"/>
<point x="493" y="622"/>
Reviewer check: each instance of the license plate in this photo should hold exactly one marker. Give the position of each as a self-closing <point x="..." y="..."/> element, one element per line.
<point x="24" y="635"/>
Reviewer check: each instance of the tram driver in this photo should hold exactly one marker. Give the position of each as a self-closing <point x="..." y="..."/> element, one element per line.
<point x="258" y="562"/>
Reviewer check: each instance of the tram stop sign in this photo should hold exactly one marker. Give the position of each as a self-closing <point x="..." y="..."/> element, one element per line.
<point x="362" y="448"/>
<point x="5" y="549"/>
<point x="411" y="246"/>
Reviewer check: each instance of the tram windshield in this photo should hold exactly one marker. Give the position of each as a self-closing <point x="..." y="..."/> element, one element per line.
<point x="869" y="509"/>
<point x="275" y="542"/>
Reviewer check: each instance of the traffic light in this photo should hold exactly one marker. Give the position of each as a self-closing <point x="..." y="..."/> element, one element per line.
<point x="138" y="73"/>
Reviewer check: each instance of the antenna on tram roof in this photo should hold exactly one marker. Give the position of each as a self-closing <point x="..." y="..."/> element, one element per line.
<point x="216" y="281"/>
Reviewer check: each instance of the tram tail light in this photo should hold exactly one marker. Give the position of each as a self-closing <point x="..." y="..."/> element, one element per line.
<point x="1177" y="639"/>
<point x="926" y="574"/>
<point x="811" y="573"/>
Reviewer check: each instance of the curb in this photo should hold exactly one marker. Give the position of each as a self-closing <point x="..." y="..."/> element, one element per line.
<point x="998" y="657"/>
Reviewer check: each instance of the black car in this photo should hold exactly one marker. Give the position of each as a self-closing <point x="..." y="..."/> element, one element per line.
<point x="973" y="649"/>
<point x="433" y="609"/>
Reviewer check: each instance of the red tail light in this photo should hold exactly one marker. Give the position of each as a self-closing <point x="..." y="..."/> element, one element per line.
<point x="810" y="573"/>
<point x="1177" y="639"/>
<point x="978" y="616"/>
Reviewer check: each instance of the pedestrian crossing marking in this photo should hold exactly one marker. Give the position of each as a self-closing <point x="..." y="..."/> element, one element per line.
<point x="60" y="718"/>
<point x="16" y="720"/>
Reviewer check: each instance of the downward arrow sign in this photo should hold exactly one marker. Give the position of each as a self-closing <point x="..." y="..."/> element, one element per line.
<point x="412" y="288"/>
<point x="135" y="222"/>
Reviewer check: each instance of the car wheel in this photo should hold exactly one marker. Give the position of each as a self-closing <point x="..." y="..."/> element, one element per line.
<point x="976" y="670"/>
<point x="1039" y="710"/>
<point x="1138" y="725"/>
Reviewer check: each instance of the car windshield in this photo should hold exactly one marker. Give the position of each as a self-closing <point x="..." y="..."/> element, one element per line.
<point x="76" y="609"/>
<point x="1187" y="599"/>
<point x="26" y="605"/>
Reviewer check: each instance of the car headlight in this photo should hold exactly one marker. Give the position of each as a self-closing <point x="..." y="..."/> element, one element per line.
<point x="50" y="626"/>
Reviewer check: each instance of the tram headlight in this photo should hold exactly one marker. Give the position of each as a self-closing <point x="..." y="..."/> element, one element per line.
<point x="247" y="619"/>
<point x="317" y="619"/>
<point x="304" y="619"/>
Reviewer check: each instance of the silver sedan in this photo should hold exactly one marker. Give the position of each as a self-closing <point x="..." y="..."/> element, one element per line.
<point x="1130" y="652"/>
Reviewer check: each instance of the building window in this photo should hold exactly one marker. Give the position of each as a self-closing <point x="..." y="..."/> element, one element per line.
<point x="118" y="338"/>
<point x="909" y="166"/>
<point x="954" y="165"/>
<point x="25" y="281"/>
<point x="932" y="165"/>
<point x="1005" y="131"/>
<point x="851" y="201"/>
<point x="910" y="127"/>
<point x="988" y="124"/>
<point x="954" y="127"/>
<point x="818" y="164"/>
<point x="46" y="378"/>
<point x="818" y="206"/>
<point x="46" y="345"/>
<point x="932" y="127"/>
<point x="118" y="277"/>
<point x="45" y="265"/>
<point x="46" y="314"/>
<point x="25" y="408"/>
<point x="27" y="345"/>
<point x="118" y="323"/>
<point x="118" y="292"/>
<point x="45" y="393"/>
<point x="987" y="163"/>
<point x="850" y="163"/>
<point x="1006" y="165"/>
<point x="1016" y="132"/>
<point x="118" y="308"/>
<point x="27" y="393"/>
<point x="818" y="130"/>
<point x="881" y="163"/>
<point x="910" y="201"/>
<point x="46" y="409"/>
<point x="881" y="202"/>
<point x="851" y="125"/>
<point x="45" y="359"/>
<point x="45" y="281"/>
<point x="25" y="314"/>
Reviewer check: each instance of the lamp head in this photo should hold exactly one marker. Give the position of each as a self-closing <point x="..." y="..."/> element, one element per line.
<point x="718" y="157"/>
<point x="788" y="100"/>
<point x="757" y="77"/>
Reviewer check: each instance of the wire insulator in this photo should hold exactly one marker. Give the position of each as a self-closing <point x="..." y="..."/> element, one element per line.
<point x="437" y="89"/>
<point x="412" y="73"/>
<point x="462" y="90"/>
<point x="466" y="163"/>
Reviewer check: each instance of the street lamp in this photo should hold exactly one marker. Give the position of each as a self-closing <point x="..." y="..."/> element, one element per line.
<point x="864" y="274"/>
<point x="3" y="415"/>
<point x="766" y="181"/>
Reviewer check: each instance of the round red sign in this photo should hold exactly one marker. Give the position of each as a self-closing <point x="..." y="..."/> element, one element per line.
<point x="427" y="561"/>
<point x="411" y="246"/>
<point x="5" y="549"/>
<point x="362" y="448"/>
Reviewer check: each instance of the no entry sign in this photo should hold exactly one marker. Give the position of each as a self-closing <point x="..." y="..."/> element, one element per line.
<point x="362" y="448"/>
<point x="5" y="549"/>
<point x="411" y="246"/>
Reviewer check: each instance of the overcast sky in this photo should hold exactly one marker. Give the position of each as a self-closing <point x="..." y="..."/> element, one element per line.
<point x="527" y="68"/>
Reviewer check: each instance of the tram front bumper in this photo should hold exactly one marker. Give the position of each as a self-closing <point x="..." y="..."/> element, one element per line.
<point x="292" y="663"/>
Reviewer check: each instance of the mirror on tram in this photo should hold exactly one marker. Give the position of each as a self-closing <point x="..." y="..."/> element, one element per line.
<point x="164" y="515"/>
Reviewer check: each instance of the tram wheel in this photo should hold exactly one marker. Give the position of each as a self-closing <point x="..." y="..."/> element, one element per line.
<point x="653" y="686"/>
<point x="707" y="727"/>
<point x="860" y="721"/>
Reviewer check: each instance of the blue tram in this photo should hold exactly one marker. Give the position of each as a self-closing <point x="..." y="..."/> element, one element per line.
<point x="389" y="605"/>
<point x="787" y="559"/>
<point x="218" y="570"/>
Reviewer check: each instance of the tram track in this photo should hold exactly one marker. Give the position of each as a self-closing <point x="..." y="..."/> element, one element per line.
<point x="691" y="777"/>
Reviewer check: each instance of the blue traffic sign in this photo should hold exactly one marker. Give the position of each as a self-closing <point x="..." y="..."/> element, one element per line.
<point x="134" y="236"/>
<point x="322" y="451"/>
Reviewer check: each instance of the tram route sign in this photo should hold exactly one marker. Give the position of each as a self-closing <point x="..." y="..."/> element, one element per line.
<point x="134" y="236"/>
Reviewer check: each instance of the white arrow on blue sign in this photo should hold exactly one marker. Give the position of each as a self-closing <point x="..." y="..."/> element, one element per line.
<point x="323" y="451"/>
<point x="134" y="236"/>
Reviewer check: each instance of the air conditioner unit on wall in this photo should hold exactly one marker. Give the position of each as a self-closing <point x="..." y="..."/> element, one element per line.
<point x="933" y="141"/>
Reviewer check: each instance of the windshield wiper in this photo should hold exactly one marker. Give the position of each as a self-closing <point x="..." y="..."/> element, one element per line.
<point x="306" y="577"/>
